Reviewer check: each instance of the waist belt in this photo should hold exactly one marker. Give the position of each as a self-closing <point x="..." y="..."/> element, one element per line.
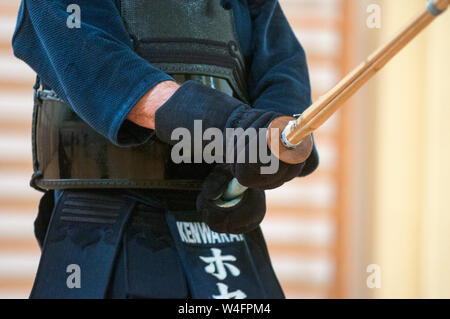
<point x="69" y="154"/>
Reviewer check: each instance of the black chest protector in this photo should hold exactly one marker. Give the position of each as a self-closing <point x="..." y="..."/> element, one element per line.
<point x="190" y="40"/>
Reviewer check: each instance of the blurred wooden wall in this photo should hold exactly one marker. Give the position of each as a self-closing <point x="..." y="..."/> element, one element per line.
<point x="19" y="253"/>
<point x="305" y="226"/>
<point x="308" y="218"/>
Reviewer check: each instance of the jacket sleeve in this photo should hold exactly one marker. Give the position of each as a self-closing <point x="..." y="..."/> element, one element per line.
<point x="93" y="68"/>
<point x="278" y="78"/>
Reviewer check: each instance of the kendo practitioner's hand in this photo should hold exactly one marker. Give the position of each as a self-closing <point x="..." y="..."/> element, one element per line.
<point x="193" y="101"/>
<point x="241" y="218"/>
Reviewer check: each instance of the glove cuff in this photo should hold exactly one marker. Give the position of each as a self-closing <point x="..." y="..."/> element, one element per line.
<point x="191" y="102"/>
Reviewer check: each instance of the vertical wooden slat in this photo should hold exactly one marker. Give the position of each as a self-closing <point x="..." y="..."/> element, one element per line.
<point x="19" y="252"/>
<point x="321" y="26"/>
<point x="344" y="185"/>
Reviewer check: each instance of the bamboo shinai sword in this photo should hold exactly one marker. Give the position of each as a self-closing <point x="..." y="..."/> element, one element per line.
<point x="295" y="143"/>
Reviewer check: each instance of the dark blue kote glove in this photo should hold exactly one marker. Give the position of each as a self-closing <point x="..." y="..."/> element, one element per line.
<point x="193" y="101"/>
<point x="239" y="219"/>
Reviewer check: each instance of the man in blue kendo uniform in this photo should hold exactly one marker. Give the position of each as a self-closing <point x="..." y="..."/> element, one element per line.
<point x="120" y="218"/>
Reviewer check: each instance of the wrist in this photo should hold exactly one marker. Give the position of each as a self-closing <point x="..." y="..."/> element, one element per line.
<point x="143" y="113"/>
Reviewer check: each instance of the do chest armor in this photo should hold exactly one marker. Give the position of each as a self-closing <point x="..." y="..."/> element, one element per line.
<point x="190" y="40"/>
